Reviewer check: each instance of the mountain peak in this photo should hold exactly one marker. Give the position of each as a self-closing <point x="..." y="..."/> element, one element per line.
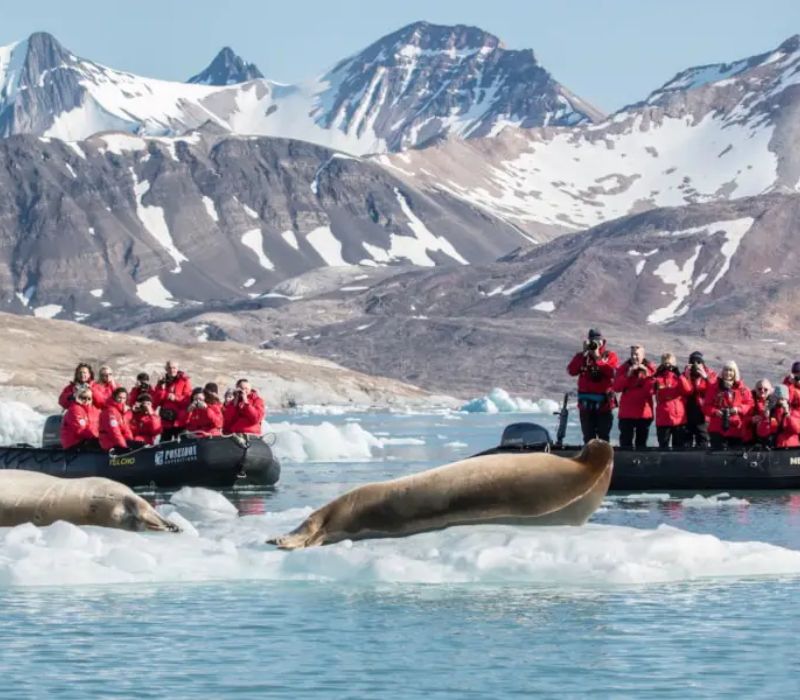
<point x="441" y="37"/>
<point x="227" y="68"/>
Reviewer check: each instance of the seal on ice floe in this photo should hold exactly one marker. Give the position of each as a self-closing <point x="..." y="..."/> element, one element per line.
<point x="530" y="489"/>
<point x="41" y="499"/>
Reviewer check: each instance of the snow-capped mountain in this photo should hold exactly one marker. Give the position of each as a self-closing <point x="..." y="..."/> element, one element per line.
<point x="712" y="133"/>
<point x="425" y="82"/>
<point x="419" y="84"/>
<point x="227" y="68"/>
<point x="155" y="223"/>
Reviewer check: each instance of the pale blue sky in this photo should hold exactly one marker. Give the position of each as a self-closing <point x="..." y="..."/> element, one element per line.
<point x="610" y="52"/>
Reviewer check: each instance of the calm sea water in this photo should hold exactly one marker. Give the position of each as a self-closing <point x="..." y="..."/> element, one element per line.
<point x="658" y="597"/>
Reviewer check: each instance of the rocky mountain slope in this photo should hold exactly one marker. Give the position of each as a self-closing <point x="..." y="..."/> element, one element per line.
<point x="719" y="277"/>
<point x="712" y="133"/>
<point x="118" y="221"/>
<point x="421" y="83"/>
<point x="40" y="356"/>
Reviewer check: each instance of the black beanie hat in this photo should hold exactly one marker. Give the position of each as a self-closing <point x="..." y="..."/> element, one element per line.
<point x="595" y="334"/>
<point x="696" y="356"/>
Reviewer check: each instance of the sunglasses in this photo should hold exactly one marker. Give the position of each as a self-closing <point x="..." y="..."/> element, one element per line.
<point x="83" y="399"/>
<point x="762" y="389"/>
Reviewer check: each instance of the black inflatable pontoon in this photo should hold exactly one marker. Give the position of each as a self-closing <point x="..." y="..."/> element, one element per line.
<point x="654" y="469"/>
<point x="215" y="462"/>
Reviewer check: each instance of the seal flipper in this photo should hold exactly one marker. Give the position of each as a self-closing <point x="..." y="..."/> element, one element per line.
<point x="308" y="534"/>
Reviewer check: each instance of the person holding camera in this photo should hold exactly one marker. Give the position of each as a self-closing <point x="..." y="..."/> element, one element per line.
<point x="244" y="410"/>
<point x="80" y="426"/>
<point x="780" y="426"/>
<point x="204" y="412"/>
<point x="170" y="395"/>
<point x="762" y="401"/>
<point x="634" y="380"/>
<point x="594" y="366"/>
<point x="671" y="388"/>
<point x="145" y="422"/>
<point x="792" y="381"/>
<point x="115" y="429"/>
<point x="728" y="404"/>
<point x="82" y="379"/>
<point x="142" y="386"/>
<point x="700" y="377"/>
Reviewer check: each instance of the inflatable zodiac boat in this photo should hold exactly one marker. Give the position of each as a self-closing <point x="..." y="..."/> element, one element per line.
<point x="214" y="462"/>
<point x="753" y="467"/>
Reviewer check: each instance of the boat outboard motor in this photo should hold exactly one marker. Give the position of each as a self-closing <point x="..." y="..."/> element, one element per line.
<point x="525" y="436"/>
<point x="51" y="435"/>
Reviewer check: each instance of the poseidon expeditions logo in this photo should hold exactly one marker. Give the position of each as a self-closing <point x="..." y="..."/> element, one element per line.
<point x="176" y="455"/>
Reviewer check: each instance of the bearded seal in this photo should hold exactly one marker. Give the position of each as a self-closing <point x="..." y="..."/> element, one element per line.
<point x="41" y="499"/>
<point x="531" y="489"/>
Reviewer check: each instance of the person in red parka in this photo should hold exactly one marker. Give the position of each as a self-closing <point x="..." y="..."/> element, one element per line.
<point x="83" y="377"/>
<point x="781" y="425"/>
<point x="104" y="387"/>
<point x="762" y="400"/>
<point x="115" y="429"/>
<point x="145" y="422"/>
<point x="204" y="414"/>
<point x="671" y="388"/>
<point x="727" y="404"/>
<point x="80" y="424"/>
<point x="244" y="410"/>
<point x="793" y="382"/>
<point x="170" y="396"/>
<point x="594" y="367"/>
<point x="142" y="387"/>
<point x="700" y="377"/>
<point x="634" y="380"/>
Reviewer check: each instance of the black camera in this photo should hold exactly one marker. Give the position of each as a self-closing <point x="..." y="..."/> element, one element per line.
<point x="726" y="419"/>
<point x="593" y="345"/>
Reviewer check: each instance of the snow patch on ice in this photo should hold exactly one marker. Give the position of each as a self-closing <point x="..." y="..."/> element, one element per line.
<point x="545" y="306"/>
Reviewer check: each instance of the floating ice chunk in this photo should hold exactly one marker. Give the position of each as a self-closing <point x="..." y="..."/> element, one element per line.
<point x="203" y="504"/>
<point x="500" y="401"/>
<point x="325" y="442"/>
<point x="716" y="501"/>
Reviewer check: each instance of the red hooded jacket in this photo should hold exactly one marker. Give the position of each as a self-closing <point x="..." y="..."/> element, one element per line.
<point x="102" y="393"/>
<point x="784" y="426"/>
<point x="206" y="420"/>
<point x="115" y="429"/>
<point x="738" y="397"/>
<point x="670" y="390"/>
<point x="595" y="376"/>
<point x="699" y="386"/>
<point x="181" y="387"/>
<point x="637" y="391"/>
<point x="242" y="417"/>
<point x="144" y="427"/>
<point x="794" y="392"/>
<point x="80" y="422"/>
